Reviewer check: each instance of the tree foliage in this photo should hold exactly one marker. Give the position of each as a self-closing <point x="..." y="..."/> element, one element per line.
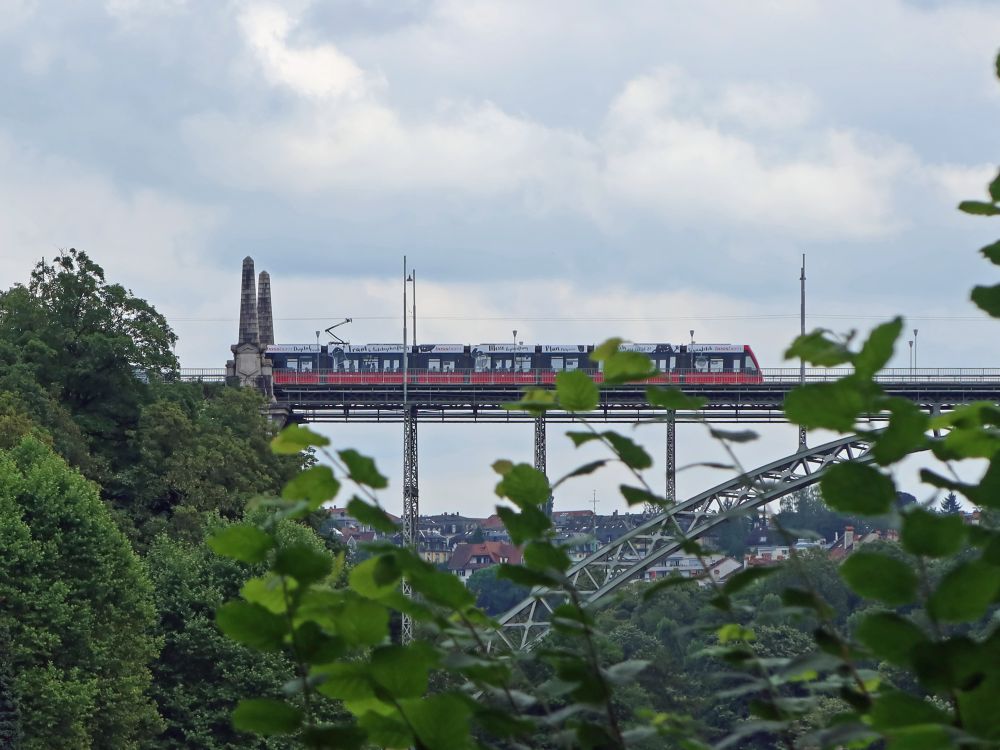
<point x="77" y="609"/>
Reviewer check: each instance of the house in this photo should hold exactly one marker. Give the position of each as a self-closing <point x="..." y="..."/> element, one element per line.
<point x="466" y="559"/>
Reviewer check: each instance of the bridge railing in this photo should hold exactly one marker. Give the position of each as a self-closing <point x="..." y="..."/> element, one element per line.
<point x="903" y="375"/>
<point x="767" y="376"/>
<point x="203" y="374"/>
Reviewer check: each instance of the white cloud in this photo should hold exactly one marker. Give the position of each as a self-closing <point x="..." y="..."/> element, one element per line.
<point x="319" y="72"/>
<point x="143" y="238"/>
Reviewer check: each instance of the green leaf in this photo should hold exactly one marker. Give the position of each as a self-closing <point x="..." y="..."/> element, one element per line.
<point x="313" y="646"/>
<point x="744" y="578"/>
<point x="383" y="730"/>
<point x="526" y="576"/>
<point x="625" y="672"/>
<point x="439" y="721"/>
<point x="403" y="670"/>
<point x="831" y="406"/>
<point x="576" y="391"/>
<point x="965" y="592"/>
<point x="302" y="563"/>
<point x="295" y="439"/>
<point x="858" y="488"/>
<point x="376" y="577"/>
<point x="579" y="438"/>
<point x="530" y="523"/>
<point x="932" y="534"/>
<point x="733" y="436"/>
<point x="441" y="588"/>
<point x="267" y="591"/>
<point x="987" y="298"/>
<point x="891" y="637"/>
<point x="877" y="350"/>
<point x="987" y="492"/>
<point x="502" y="466"/>
<point x="241" y="542"/>
<point x="979" y="208"/>
<point x="316" y="485"/>
<point x="628" y="451"/>
<point x="674" y="399"/>
<point x="579" y="471"/>
<point x="625" y="367"/>
<point x="362" y="622"/>
<point x="892" y="709"/>
<point x="534" y="401"/>
<point x="640" y="496"/>
<point x="992" y="253"/>
<point x="994" y="189"/>
<point x="252" y="625"/>
<point x="266" y="716"/>
<point x="905" y="433"/>
<point x="346" y="680"/>
<point x="371" y="515"/>
<point x="525" y="485"/>
<point x="879" y="576"/>
<point x="606" y="349"/>
<point x="816" y="349"/>
<point x="545" y="556"/>
<point x="362" y="469"/>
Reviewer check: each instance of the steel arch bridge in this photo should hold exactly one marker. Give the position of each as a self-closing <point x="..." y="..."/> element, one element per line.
<point x="619" y="563"/>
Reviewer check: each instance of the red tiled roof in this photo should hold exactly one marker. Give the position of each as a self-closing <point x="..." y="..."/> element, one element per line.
<point x="496" y="552"/>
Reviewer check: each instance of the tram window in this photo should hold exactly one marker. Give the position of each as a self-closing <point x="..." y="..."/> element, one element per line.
<point x="370" y="364"/>
<point x="306" y="365"/>
<point x="557" y="363"/>
<point x="482" y="362"/>
<point x="673" y="363"/>
<point x="716" y="365"/>
<point x="750" y="365"/>
<point x="434" y="365"/>
<point x="701" y="364"/>
<point x="572" y="363"/>
<point x="736" y="365"/>
<point x="292" y="363"/>
<point x="386" y="365"/>
<point x="522" y="363"/>
<point x="449" y="366"/>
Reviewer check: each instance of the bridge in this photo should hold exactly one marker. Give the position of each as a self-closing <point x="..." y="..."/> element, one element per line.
<point x="412" y="397"/>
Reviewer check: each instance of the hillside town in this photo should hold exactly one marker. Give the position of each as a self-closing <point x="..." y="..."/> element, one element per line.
<point x="463" y="544"/>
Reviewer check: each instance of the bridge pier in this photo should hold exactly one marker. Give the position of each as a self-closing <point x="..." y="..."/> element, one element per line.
<point x="671" y="460"/>
<point x="411" y="502"/>
<point x="540" y="458"/>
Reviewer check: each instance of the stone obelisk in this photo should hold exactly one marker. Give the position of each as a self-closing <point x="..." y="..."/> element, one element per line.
<point x="265" y="321"/>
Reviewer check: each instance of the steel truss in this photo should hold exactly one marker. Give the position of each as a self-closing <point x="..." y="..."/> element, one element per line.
<point x="625" y="559"/>
<point x="411" y="501"/>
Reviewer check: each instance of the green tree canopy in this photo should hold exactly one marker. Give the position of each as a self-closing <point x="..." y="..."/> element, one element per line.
<point x="77" y="606"/>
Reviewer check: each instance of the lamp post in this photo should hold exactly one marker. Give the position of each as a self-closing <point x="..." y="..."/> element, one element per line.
<point x="911" y="357"/>
<point x="515" y="335"/>
<point x="914" y="348"/>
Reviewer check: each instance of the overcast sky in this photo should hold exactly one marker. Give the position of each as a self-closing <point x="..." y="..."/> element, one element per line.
<point x="571" y="170"/>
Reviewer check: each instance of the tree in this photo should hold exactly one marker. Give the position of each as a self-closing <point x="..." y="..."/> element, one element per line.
<point x="495" y="595"/>
<point x="77" y="606"/>
<point x="200" y="675"/>
<point x="87" y="343"/>
<point x="951" y="504"/>
<point x="199" y="451"/>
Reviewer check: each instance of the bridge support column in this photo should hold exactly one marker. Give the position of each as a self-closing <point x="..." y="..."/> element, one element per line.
<point x="671" y="464"/>
<point x="802" y="439"/>
<point x="411" y="502"/>
<point x="540" y="458"/>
